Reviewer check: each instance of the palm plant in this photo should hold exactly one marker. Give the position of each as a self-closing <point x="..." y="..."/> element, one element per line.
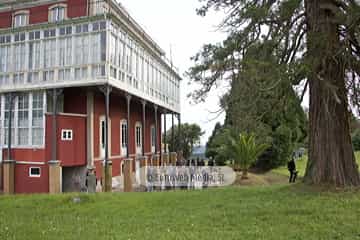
<point x="242" y="149"/>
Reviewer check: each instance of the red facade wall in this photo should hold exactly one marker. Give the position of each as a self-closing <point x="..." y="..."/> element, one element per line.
<point x="70" y="153"/>
<point x="5" y="19"/>
<point x="40" y="14"/>
<point x="26" y="155"/>
<point x="74" y="153"/>
<point x="118" y="112"/>
<point x="26" y="184"/>
<point x="75" y="101"/>
<point x="77" y="8"/>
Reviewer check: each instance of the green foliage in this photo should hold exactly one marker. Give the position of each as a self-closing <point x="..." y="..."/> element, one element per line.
<point x="282" y="147"/>
<point x="242" y="148"/>
<point x="356" y="140"/>
<point x="355" y="132"/>
<point x="275" y="117"/>
<point x="213" y="144"/>
<point x="188" y="138"/>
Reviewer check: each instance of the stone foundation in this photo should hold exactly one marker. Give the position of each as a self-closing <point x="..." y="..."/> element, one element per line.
<point x="9" y="176"/>
<point x="165" y="159"/>
<point x="156" y="160"/>
<point x="173" y="158"/>
<point x="128" y="175"/>
<point x="107" y="177"/>
<point x="55" y="177"/>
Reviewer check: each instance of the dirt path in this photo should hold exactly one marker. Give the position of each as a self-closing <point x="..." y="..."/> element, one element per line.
<point x="263" y="179"/>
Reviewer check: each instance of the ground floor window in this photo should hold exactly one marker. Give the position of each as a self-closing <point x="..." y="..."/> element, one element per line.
<point x="153" y="138"/>
<point x="123" y="136"/>
<point x="138" y="138"/>
<point x="102" y="137"/>
<point x="34" y="172"/>
<point x="27" y="119"/>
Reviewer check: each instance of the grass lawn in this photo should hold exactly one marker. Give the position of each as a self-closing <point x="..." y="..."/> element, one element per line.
<point x="301" y="166"/>
<point x="272" y="212"/>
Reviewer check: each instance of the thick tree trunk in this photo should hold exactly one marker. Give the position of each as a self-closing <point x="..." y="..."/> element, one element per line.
<point x="331" y="156"/>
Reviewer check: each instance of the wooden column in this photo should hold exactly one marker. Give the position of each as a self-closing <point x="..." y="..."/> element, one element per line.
<point x="11" y="98"/>
<point x="9" y="176"/>
<point x="156" y="129"/>
<point x="143" y="172"/>
<point x="107" y="184"/>
<point x="55" y="177"/>
<point x="55" y="171"/>
<point x="172" y="133"/>
<point x="179" y="150"/>
<point x="165" y="140"/>
<point x="128" y="175"/>
<point x="90" y="129"/>
<point x="128" y="103"/>
<point x="143" y="127"/>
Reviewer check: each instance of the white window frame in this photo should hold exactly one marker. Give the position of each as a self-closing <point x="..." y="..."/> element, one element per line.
<point x="138" y="147"/>
<point x="98" y="7"/>
<point x="68" y="135"/>
<point x="101" y="137"/>
<point x="25" y="14"/>
<point x="15" y="129"/>
<point x="123" y="147"/>
<point x="153" y="138"/>
<point x="25" y="127"/>
<point x="54" y="9"/>
<point x="34" y="175"/>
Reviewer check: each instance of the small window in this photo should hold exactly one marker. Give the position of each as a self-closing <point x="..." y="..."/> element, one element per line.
<point x="82" y="28"/>
<point x="78" y="29"/>
<point x="85" y="28"/>
<point x="34" y="35"/>
<point x="98" y="7"/>
<point x="66" y="135"/>
<point x="21" y="19"/>
<point x="34" y="172"/>
<point x="138" y="135"/>
<point x="50" y="33"/>
<point x="95" y="26"/>
<point x="19" y="37"/>
<point x="102" y="25"/>
<point x="124" y="133"/>
<point x="57" y="13"/>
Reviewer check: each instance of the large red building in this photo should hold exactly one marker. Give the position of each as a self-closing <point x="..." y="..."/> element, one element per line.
<point x="81" y="84"/>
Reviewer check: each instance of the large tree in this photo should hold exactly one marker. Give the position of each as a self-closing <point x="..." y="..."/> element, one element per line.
<point x="314" y="42"/>
<point x="275" y="117"/>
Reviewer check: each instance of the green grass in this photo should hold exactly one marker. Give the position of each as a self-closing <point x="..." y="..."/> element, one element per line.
<point x="301" y="166"/>
<point x="275" y="212"/>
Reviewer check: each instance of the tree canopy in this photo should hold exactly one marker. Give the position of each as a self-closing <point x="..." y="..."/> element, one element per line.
<point x="188" y="138"/>
<point x="314" y="44"/>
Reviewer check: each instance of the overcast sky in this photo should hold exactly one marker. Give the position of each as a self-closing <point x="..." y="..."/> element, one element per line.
<point x="175" y="23"/>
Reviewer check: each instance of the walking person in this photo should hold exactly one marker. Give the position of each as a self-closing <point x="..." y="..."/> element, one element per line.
<point x="292" y="169"/>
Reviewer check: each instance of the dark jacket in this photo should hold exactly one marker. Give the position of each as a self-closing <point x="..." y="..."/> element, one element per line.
<point x="291" y="166"/>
